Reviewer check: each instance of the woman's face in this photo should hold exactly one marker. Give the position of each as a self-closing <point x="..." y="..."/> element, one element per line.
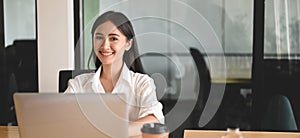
<point x="110" y="44"/>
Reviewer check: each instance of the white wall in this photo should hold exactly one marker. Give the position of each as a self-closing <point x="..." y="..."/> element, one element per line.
<point x="55" y="41"/>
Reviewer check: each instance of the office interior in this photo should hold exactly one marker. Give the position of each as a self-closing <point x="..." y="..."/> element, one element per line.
<point x="228" y="60"/>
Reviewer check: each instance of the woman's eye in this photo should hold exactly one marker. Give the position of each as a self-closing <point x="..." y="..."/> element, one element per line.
<point x="98" y="37"/>
<point x="113" y="39"/>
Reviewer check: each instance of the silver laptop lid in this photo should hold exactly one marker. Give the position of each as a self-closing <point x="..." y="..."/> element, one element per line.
<point x="71" y="115"/>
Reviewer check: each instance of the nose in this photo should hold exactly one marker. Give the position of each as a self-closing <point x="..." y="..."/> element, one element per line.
<point x="105" y="44"/>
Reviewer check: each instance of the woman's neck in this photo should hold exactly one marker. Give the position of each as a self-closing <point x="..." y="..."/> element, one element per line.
<point x="111" y="73"/>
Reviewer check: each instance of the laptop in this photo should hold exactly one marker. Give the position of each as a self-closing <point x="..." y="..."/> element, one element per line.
<point x="61" y="115"/>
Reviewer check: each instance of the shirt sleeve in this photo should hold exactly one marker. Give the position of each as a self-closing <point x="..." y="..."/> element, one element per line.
<point x="71" y="86"/>
<point x="148" y="101"/>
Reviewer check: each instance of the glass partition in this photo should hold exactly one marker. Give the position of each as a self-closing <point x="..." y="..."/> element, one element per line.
<point x="281" y="66"/>
<point x="157" y="30"/>
<point x="282" y="29"/>
<point x="166" y="30"/>
<point x="19" y="20"/>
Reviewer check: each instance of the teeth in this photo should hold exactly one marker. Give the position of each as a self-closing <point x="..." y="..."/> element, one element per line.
<point x="106" y="53"/>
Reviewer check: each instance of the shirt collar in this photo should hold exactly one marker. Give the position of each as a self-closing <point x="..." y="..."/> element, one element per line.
<point x="125" y="74"/>
<point x="124" y="78"/>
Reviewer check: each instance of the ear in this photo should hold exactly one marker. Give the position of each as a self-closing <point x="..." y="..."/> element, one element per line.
<point x="128" y="44"/>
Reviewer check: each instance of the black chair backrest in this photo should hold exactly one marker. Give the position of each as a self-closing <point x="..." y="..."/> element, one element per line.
<point x="22" y="63"/>
<point x="65" y="75"/>
<point x="205" y="84"/>
<point x="279" y="115"/>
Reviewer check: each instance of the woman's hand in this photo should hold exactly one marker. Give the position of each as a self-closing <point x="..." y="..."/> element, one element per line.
<point x="134" y="129"/>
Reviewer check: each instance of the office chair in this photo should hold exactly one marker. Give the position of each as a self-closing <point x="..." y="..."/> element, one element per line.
<point x="279" y="115"/>
<point x="205" y="85"/>
<point x="22" y="70"/>
<point x="202" y="95"/>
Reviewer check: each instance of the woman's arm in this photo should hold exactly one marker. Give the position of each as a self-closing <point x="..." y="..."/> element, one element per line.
<point x="134" y="129"/>
<point x="150" y="108"/>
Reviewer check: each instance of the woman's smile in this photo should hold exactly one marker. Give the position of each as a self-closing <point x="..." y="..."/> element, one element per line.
<point x="106" y="53"/>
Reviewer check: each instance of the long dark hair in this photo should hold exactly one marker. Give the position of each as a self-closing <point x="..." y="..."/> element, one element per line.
<point x="131" y="57"/>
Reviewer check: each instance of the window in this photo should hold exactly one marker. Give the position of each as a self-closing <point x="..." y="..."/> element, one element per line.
<point x="19" y="20"/>
<point x="282" y="30"/>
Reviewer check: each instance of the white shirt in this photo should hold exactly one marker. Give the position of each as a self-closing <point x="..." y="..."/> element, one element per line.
<point x="139" y="88"/>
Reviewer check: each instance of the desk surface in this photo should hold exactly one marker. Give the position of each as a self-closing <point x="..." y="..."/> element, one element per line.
<point x="13" y="132"/>
<point x="246" y="134"/>
<point x="9" y="132"/>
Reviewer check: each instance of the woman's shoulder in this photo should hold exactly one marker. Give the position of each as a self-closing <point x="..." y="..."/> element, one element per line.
<point x="83" y="78"/>
<point x="77" y="83"/>
<point x="140" y="78"/>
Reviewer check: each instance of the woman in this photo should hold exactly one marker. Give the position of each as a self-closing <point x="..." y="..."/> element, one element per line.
<point x="116" y="58"/>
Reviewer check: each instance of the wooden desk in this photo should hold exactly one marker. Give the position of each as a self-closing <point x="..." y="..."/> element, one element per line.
<point x="13" y="132"/>
<point x="246" y="134"/>
<point x="9" y="132"/>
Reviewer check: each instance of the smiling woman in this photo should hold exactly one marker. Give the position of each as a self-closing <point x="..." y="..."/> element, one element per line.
<point x="116" y="58"/>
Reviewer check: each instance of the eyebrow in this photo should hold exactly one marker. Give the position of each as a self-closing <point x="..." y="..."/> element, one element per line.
<point x="113" y="35"/>
<point x="108" y="34"/>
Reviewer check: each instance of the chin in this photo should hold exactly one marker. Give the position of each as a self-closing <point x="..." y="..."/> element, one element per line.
<point x="106" y="63"/>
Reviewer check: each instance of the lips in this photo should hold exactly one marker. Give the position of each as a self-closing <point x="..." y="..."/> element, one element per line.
<point x="106" y="53"/>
